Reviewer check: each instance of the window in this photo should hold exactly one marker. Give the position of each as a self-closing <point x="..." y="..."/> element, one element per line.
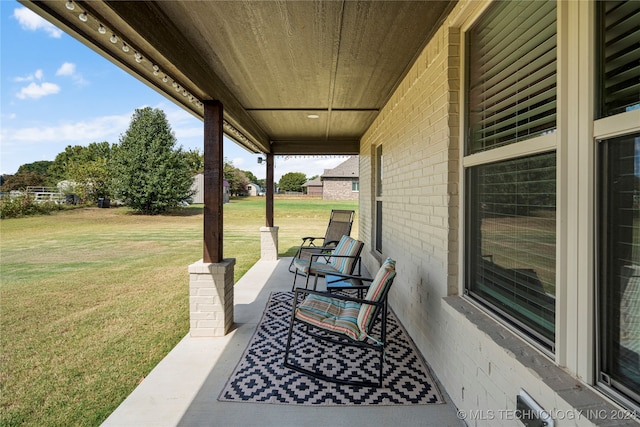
<point x="377" y="238"/>
<point x="355" y="186"/>
<point x="619" y="302"/>
<point x="619" y="56"/>
<point x="510" y="259"/>
<point x="512" y="241"/>
<point x="511" y="74"/>
<point x="379" y="160"/>
<point x="618" y="279"/>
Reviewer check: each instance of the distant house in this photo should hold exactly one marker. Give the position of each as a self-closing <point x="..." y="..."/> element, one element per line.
<point x="198" y="188"/>
<point x="343" y="181"/>
<point x="255" y="190"/>
<point x="313" y="187"/>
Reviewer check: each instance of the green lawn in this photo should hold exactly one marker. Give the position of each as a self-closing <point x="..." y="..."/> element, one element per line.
<point x="92" y="299"/>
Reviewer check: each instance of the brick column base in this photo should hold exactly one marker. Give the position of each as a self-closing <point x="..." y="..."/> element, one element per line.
<point x="211" y="298"/>
<point x="269" y="243"/>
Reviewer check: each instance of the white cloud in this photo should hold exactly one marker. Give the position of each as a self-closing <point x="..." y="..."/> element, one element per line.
<point x="238" y="162"/>
<point x="98" y="129"/>
<point x="35" y="90"/>
<point x="32" y="22"/>
<point x="31" y="77"/>
<point x="66" y="69"/>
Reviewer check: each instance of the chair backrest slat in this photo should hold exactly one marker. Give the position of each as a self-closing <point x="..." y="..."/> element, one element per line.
<point x="346" y="247"/>
<point x="377" y="292"/>
<point x="340" y="224"/>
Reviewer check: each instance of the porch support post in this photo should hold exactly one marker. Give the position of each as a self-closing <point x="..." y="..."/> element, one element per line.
<point x="269" y="183"/>
<point x="213" y="181"/>
<point x="269" y="233"/>
<point x="211" y="280"/>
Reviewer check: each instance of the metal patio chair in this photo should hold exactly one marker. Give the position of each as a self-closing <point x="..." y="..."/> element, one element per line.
<point x="319" y="261"/>
<point x="340" y="223"/>
<point x="343" y="321"/>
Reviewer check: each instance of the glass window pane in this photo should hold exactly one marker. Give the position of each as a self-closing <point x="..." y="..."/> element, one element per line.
<point x="378" y="236"/>
<point x="619" y="23"/>
<point x="511" y="226"/>
<point x="511" y="74"/>
<point x="379" y="170"/>
<point x="620" y="258"/>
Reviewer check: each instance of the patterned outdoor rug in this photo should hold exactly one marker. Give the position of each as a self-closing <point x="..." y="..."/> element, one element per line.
<point x="261" y="377"/>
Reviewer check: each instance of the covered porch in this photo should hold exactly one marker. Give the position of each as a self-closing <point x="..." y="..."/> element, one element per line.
<point x="183" y="389"/>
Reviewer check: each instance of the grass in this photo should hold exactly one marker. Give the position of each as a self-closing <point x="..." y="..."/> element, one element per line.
<point x="92" y="299"/>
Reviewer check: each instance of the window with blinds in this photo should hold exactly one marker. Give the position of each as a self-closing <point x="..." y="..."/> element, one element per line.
<point x="618" y="67"/>
<point x="619" y="290"/>
<point x="511" y="74"/>
<point x="619" y="23"/>
<point x="511" y="242"/>
<point x="377" y="238"/>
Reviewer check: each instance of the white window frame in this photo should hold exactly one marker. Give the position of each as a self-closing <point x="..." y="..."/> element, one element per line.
<point x="536" y="145"/>
<point x="575" y="143"/>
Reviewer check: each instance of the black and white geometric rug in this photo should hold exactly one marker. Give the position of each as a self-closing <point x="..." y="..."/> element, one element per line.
<point x="260" y="376"/>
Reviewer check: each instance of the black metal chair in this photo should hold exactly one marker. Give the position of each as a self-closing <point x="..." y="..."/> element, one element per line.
<point x="340" y="223"/>
<point x="343" y="259"/>
<point x="344" y="321"/>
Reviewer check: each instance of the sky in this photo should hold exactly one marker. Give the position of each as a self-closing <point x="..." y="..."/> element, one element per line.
<point x="56" y="92"/>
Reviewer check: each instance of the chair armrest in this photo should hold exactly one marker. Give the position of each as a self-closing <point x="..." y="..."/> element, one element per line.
<point x="341" y="281"/>
<point x="324" y="254"/>
<point x="313" y="250"/>
<point x="347" y="276"/>
<point x="310" y="239"/>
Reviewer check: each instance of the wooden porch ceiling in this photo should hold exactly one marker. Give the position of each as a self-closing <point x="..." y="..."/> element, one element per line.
<point x="271" y="63"/>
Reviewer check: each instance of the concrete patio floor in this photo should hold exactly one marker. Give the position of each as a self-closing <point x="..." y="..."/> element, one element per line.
<point x="182" y="390"/>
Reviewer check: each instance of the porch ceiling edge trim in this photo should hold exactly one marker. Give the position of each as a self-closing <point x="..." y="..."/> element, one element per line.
<point x="240" y="138"/>
<point x="317" y="147"/>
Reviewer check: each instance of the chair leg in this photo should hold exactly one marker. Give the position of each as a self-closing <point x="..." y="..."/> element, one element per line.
<point x="288" y="347"/>
<point x="377" y="383"/>
<point x="306" y="284"/>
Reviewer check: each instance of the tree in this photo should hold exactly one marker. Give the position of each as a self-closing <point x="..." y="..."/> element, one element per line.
<point x="236" y="178"/>
<point x="58" y="171"/>
<point x="292" y="181"/>
<point x="21" y="181"/>
<point x="195" y="160"/>
<point x="250" y="176"/>
<point x="90" y="171"/>
<point x="41" y="167"/>
<point x="149" y="173"/>
<point x="85" y="168"/>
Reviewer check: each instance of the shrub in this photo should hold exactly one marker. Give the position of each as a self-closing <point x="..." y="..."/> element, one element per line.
<point x="25" y="205"/>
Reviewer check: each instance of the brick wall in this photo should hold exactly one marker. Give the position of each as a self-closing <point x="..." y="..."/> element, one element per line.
<point x="338" y="189"/>
<point x="481" y="364"/>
